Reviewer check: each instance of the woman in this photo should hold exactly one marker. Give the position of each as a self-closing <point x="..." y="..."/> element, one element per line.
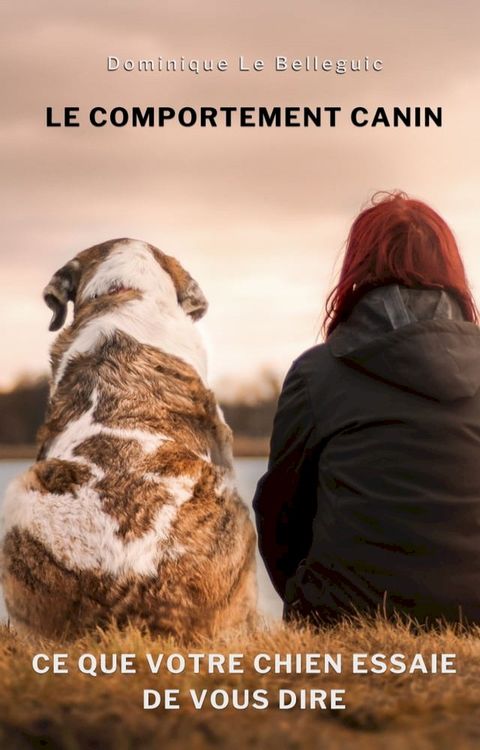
<point x="371" y="500"/>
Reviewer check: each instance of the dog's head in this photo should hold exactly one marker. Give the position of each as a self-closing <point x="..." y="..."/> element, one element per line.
<point x="120" y="265"/>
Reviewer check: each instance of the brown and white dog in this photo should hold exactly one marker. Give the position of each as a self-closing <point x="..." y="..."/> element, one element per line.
<point x="130" y="512"/>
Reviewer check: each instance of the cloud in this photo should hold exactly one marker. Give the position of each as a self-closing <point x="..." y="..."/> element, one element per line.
<point x="258" y="215"/>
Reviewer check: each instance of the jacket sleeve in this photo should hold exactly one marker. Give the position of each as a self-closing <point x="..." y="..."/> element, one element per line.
<point x="285" y="499"/>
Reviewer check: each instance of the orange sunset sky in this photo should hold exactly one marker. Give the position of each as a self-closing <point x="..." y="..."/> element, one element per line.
<point x="258" y="216"/>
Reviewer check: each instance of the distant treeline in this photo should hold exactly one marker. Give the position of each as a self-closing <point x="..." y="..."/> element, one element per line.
<point x="22" y="411"/>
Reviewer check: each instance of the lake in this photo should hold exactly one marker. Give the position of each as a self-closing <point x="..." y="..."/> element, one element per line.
<point x="248" y="471"/>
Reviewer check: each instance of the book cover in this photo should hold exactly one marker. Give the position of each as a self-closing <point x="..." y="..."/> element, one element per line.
<point x="206" y="161"/>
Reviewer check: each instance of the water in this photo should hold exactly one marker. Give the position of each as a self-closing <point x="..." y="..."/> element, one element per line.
<point x="248" y="471"/>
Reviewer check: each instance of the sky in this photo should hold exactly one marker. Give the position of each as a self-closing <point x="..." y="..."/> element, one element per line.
<point x="258" y="216"/>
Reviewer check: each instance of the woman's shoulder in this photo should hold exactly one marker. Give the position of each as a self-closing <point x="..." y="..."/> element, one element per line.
<point x="314" y="368"/>
<point x="313" y="357"/>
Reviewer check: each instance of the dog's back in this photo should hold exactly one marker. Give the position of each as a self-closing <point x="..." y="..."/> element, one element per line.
<point x="130" y="513"/>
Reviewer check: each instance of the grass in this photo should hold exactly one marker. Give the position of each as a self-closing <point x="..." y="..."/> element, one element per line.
<point x="74" y="710"/>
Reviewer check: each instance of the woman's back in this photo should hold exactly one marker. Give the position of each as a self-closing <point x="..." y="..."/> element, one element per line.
<point x="396" y="409"/>
<point x="372" y="496"/>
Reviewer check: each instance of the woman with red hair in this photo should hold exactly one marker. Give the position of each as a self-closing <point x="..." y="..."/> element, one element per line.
<point x="371" y="501"/>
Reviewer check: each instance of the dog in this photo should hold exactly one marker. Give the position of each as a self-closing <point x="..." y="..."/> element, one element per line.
<point x="130" y="513"/>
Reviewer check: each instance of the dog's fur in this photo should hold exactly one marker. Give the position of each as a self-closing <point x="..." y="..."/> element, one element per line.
<point x="130" y="513"/>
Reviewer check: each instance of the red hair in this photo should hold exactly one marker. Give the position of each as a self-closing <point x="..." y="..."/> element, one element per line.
<point x="398" y="240"/>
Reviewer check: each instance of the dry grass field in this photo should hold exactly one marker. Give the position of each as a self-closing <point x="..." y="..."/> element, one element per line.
<point x="413" y="711"/>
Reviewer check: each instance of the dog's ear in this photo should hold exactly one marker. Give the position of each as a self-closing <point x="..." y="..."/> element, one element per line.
<point x="189" y="295"/>
<point x="61" y="289"/>
<point x="193" y="300"/>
